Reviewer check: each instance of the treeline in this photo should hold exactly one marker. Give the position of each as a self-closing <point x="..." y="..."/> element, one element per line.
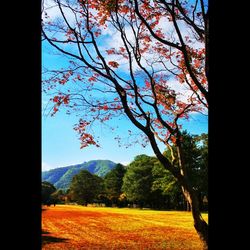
<point x="143" y="183"/>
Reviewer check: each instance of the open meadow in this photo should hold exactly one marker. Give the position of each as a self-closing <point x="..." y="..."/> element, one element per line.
<point x="99" y="228"/>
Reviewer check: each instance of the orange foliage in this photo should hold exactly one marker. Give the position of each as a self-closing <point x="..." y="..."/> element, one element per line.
<point x="77" y="227"/>
<point x="113" y="64"/>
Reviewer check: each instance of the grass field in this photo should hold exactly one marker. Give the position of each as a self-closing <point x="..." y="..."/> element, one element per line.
<point x="76" y="227"/>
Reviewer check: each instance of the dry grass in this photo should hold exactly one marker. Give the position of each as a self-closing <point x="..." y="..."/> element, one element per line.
<point x="76" y="227"/>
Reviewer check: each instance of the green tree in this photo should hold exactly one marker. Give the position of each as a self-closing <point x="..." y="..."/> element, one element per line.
<point x="113" y="181"/>
<point x="47" y="190"/>
<point x="58" y="196"/>
<point x="170" y="191"/>
<point x="199" y="172"/>
<point x="85" y="187"/>
<point x="137" y="181"/>
<point x="148" y="182"/>
<point x="195" y="157"/>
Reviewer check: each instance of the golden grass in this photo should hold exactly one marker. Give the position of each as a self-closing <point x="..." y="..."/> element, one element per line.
<point x="95" y="228"/>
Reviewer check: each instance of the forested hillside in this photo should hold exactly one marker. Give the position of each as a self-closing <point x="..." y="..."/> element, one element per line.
<point x="61" y="177"/>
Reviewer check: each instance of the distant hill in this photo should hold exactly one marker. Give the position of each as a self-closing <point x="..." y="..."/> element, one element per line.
<point x="61" y="177"/>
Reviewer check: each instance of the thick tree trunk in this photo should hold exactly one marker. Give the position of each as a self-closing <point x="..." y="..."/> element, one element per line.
<point x="200" y="225"/>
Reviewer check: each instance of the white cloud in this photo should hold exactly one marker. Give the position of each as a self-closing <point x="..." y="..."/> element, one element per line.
<point x="111" y="38"/>
<point x="46" y="166"/>
<point x="125" y="163"/>
<point x="51" y="9"/>
<point x="53" y="12"/>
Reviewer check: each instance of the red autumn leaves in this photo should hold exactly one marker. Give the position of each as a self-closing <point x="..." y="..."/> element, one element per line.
<point x="113" y="64"/>
<point x="58" y="100"/>
<point x="86" y="138"/>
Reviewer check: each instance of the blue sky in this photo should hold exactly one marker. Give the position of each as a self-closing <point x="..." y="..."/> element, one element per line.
<point x="61" y="147"/>
<point x="60" y="144"/>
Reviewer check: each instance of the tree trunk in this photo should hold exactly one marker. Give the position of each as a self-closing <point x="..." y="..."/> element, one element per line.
<point x="188" y="208"/>
<point x="191" y="196"/>
<point x="200" y="225"/>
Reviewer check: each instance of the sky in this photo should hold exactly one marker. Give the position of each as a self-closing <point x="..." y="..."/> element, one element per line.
<point x="60" y="143"/>
<point x="61" y="146"/>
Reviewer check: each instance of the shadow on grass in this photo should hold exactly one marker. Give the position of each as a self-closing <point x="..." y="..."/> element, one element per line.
<point x="46" y="239"/>
<point x="43" y="208"/>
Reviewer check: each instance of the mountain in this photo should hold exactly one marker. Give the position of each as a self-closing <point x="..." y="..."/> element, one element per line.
<point x="61" y="177"/>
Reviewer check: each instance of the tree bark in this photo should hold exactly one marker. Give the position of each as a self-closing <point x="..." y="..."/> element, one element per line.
<point x="199" y="224"/>
<point x="191" y="197"/>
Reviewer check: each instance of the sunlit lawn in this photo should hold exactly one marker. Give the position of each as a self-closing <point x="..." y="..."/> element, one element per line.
<point x="77" y="227"/>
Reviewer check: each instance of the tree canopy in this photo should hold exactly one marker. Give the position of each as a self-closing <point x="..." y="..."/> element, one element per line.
<point x="138" y="179"/>
<point x="85" y="187"/>
<point x="47" y="190"/>
<point x="113" y="182"/>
